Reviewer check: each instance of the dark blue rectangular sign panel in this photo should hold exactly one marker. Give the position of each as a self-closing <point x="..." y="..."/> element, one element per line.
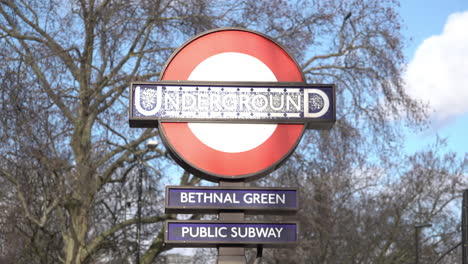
<point x="212" y="233"/>
<point x="214" y="199"/>
<point x="232" y="102"/>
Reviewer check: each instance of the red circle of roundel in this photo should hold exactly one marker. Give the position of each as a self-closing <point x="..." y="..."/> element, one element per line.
<point x="205" y="161"/>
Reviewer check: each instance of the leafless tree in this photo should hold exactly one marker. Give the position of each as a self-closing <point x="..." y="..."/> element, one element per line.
<point x="369" y="214"/>
<point x="68" y="155"/>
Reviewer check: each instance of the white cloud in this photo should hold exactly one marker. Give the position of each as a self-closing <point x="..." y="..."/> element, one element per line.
<point x="438" y="73"/>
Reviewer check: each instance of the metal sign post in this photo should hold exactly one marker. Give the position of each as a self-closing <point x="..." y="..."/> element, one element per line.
<point x="227" y="255"/>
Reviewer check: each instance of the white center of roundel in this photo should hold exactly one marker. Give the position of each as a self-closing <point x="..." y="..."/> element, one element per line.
<point x="227" y="137"/>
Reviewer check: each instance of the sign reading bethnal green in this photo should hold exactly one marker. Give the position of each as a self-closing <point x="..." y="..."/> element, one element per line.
<point x="183" y="199"/>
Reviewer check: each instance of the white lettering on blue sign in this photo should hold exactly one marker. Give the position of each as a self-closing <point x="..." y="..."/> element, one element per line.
<point x="231" y="198"/>
<point x="205" y="102"/>
<point x="233" y="232"/>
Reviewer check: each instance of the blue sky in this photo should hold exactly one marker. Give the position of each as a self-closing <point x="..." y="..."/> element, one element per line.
<point x="437" y="54"/>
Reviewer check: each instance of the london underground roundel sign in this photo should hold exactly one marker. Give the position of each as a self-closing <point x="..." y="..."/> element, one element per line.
<point x="225" y="59"/>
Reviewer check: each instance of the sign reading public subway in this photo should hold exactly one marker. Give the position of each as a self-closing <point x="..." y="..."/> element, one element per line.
<point x="274" y="102"/>
<point x="195" y="233"/>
